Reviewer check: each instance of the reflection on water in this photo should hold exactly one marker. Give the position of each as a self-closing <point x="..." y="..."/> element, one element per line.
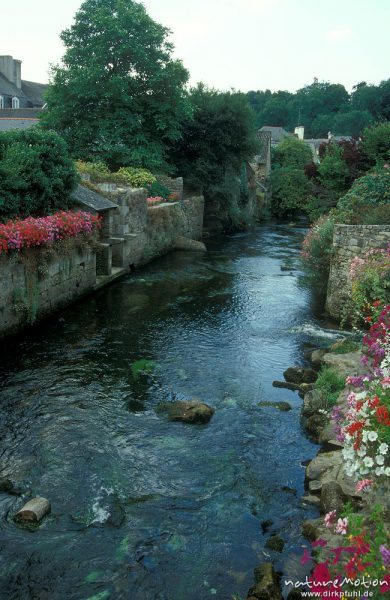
<point x="142" y="508"/>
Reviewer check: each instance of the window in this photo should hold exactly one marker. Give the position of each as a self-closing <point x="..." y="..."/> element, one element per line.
<point x="15" y="102"/>
<point x="1" y="102"/>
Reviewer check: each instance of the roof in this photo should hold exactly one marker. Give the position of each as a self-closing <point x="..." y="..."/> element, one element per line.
<point x="277" y="133"/>
<point x="264" y="138"/>
<point x="8" y="124"/>
<point x="34" y="91"/>
<point x="10" y="89"/>
<point x="20" y="113"/>
<point x="91" y="199"/>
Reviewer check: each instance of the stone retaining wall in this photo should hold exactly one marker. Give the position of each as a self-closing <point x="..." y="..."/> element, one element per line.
<point x="350" y="241"/>
<point x="42" y="280"/>
<point x="38" y="283"/>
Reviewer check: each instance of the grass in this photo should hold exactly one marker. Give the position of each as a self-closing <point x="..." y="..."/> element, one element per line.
<point x="331" y="384"/>
<point x="346" y="346"/>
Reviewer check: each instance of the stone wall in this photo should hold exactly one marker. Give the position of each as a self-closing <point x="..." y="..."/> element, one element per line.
<point x="41" y="280"/>
<point x="350" y="241"/>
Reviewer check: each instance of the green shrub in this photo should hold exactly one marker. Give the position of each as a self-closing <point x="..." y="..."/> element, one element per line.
<point x="345" y="347"/>
<point x="291" y="191"/>
<point x="135" y="177"/>
<point x="371" y="190"/>
<point x="158" y="189"/>
<point x="317" y="248"/>
<point x="331" y="383"/>
<point x="37" y="175"/>
<point x="376" y="142"/>
<point x="98" y="171"/>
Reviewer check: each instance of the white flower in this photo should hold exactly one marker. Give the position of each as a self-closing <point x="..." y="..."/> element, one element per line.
<point x="387" y="471"/>
<point x="362" y="451"/>
<point x="372" y="436"/>
<point x="368" y="462"/>
<point x="383" y="448"/>
<point x="379" y="471"/>
<point x="363" y="471"/>
<point x="380" y="460"/>
<point x="365" y="435"/>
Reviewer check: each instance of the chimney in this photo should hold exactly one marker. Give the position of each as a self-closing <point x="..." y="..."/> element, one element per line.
<point x="300" y="132"/>
<point x="12" y="70"/>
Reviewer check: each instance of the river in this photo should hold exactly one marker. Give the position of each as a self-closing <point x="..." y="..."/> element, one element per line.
<point x="143" y="508"/>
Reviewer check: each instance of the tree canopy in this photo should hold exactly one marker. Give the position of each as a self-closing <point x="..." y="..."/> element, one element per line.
<point x="218" y="138"/>
<point x="323" y="106"/>
<point x="119" y="96"/>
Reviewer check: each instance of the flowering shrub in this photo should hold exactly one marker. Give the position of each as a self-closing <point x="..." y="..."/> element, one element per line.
<point x="359" y="562"/>
<point x="370" y="284"/>
<point x="17" y="235"/>
<point x="360" y="559"/>
<point x="365" y="429"/>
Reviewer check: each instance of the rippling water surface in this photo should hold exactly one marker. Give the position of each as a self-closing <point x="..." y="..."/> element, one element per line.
<point x="142" y="508"/>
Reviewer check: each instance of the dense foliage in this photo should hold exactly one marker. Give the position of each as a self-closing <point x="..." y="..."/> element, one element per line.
<point x="28" y="233"/>
<point x="216" y="140"/>
<point x="291" y="192"/>
<point x="322" y="107"/>
<point x="37" y="175"/>
<point x="292" y="152"/>
<point x="119" y="96"/>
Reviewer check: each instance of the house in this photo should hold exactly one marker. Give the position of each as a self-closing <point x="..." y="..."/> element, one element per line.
<point x="261" y="163"/>
<point x="315" y="143"/>
<point x="21" y="102"/>
<point x="278" y="134"/>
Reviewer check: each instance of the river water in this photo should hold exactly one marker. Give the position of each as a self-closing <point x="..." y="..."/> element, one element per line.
<point x="142" y="508"/>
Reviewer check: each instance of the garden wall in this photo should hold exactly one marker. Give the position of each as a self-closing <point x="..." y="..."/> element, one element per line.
<point x="39" y="281"/>
<point x="350" y="241"/>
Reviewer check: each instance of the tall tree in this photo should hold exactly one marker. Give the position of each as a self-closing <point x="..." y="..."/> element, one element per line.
<point x="119" y="96"/>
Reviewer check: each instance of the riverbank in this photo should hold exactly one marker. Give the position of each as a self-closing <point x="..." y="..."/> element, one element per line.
<point x="37" y="282"/>
<point x="349" y="505"/>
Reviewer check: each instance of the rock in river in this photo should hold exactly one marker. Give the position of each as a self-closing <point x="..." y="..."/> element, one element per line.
<point x="267" y="585"/>
<point x="33" y="511"/>
<point x="300" y="375"/>
<point x="282" y="406"/>
<point x="191" y="411"/>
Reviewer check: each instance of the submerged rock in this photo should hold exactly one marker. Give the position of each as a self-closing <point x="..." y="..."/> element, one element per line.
<point x="265" y="525"/>
<point x="294" y="387"/>
<point x="276" y="543"/>
<point x="300" y="375"/>
<point x="267" y="586"/>
<point x="191" y="411"/>
<point x="282" y="406"/>
<point x="311" y="529"/>
<point x="33" y="511"/>
<point x="183" y="243"/>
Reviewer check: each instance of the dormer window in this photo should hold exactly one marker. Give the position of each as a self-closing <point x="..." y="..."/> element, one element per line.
<point x="1" y="102"/>
<point x="15" y="102"/>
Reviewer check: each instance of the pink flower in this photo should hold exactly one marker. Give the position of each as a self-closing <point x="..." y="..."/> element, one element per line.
<point x="365" y="485"/>
<point x="330" y="518"/>
<point x="341" y="526"/>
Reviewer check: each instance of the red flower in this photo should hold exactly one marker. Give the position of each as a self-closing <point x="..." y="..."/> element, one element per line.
<point x="382" y="415"/>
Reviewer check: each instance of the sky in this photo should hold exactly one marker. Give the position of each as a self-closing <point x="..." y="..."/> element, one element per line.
<point x="240" y="44"/>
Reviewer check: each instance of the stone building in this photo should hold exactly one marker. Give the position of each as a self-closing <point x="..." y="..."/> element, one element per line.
<point x="21" y="101"/>
<point x="261" y="163"/>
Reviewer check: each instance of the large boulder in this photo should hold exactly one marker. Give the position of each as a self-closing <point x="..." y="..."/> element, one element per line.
<point x="191" y="411"/>
<point x="332" y="497"/>
<point x="300" y="375"/>
<point x="345" y="364"/>
<point x="329" y="466"/>
<point x="312" y="402"/>
<point x="267" y="586"/>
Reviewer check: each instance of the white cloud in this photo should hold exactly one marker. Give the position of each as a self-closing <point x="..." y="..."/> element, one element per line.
<point x="337" y="35"/>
